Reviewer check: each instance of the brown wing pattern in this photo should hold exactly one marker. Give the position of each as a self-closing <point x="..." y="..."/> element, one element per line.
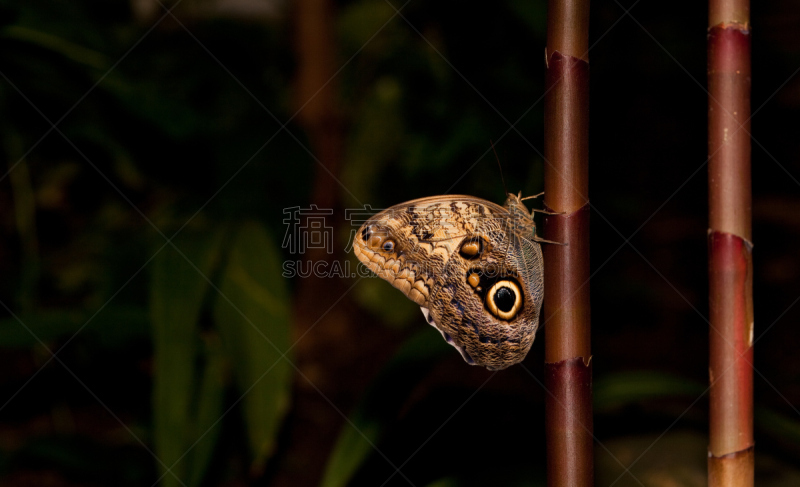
<point x="470" y="264"/>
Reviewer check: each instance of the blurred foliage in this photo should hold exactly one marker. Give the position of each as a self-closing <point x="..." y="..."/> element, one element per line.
<point x="252" y="309"/>
<point x="146" y="168"/>
<point x="116" y="138"/>
<point x="186" y="403"/>
<point x="381" y="403"/>
<point x="614" y="391"/>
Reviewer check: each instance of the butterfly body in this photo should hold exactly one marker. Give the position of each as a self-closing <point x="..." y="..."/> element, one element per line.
<point x="474" y="267"/>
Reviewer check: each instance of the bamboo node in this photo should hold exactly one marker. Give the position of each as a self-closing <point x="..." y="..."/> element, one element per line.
<point x="743" y="27"/>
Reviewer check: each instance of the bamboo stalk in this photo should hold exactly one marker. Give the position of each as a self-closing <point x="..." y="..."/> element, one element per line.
<point x="731" y="453"/>
<point x="568" y="372"/>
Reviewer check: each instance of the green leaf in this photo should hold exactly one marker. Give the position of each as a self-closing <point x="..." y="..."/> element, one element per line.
<point x="92" y="460"/>
<point x="532" y="14"/>
<point x="252" y="315"/>
<point x="358" y="22"/>
<point x="614" y="390"/>
<point x="209" y="409"/>
<point x="376" y="137"/>
<point x="380" y="404"/>
<point x="70" y="50"/>
<point x="179" y="283"/>
<point x="445" y="482"/>
<point x="784" y="430"/>
<point x="374" y="297"/>
<point x="113" y="326"/>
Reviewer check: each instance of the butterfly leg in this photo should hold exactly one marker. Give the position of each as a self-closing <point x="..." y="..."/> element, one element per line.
<point x="542" y="240"/>
<point x="541" y="211"/>
<point x="549" y="212"/>
<point x="531" y="197"/>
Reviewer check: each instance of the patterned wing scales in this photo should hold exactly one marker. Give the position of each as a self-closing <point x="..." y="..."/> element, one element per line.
<point x="486" y="303"/>
<point x="470" y="264"/>
<point x="409" y="244"/>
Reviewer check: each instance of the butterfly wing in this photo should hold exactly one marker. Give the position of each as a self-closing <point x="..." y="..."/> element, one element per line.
<point x="468" y="265"/>
<point x="409" y="244"/>
<point x="488" y="298"/>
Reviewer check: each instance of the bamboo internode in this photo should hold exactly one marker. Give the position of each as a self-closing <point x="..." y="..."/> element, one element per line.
<point x="731" y="444"/>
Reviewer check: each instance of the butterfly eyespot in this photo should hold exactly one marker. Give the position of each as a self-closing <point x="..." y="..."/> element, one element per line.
<point x="472" y="248"/>
<point x="504" y="299"/>
<point x="377" y="239"/>
<point x="473" y="266"/>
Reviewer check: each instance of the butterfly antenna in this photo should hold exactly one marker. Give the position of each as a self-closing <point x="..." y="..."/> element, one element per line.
<point x="501" y="167"/>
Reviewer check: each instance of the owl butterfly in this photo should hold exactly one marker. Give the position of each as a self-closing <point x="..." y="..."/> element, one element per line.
<point x="474" y="267"/>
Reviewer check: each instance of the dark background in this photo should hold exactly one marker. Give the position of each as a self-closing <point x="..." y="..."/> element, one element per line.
<point x="173" y="124"/>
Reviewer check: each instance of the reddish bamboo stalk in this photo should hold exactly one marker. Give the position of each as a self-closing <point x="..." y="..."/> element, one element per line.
<point x="568" y="373"/>
<point x="730" y="460"/>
